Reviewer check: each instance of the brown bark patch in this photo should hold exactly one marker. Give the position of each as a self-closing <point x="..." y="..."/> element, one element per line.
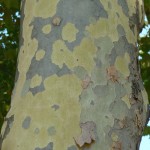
<point x="56" y="21"/>
<point x="112" y="74"/>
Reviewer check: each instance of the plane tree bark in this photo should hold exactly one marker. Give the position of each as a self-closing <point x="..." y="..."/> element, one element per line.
<point x="78" y="83"/>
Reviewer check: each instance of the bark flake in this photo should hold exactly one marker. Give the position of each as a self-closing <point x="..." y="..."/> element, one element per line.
<point x="88" y="134"/>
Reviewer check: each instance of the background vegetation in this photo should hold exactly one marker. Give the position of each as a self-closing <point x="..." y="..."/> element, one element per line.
<point x="9" y="47"/>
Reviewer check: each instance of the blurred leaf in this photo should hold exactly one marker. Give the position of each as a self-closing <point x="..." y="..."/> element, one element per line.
<point x="146" y="131"/>
<point x="11" y="3"/>
<point x="147" y="8"/>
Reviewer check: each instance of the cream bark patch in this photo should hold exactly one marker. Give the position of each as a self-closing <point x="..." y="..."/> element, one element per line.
<point x="36" y="81"/>
<point x="122" y="64"/>
<point x="69" y="32"/>
<point x="46" y="29"/>
<point x="40" y="54"/>
<point x="40" y="11"/>
<point x="82" y="55"/>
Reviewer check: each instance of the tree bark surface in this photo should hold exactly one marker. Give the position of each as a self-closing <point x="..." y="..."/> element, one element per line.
<point x="78" y="83"/>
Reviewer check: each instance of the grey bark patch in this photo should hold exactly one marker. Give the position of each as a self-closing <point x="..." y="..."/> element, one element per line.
<point x="73" y="147"/>
<point x="101" y="91"/>
<point x="10" y="121"/>
<point x="104" y="48"/>
<point x="109" y="5"/>
<point x="133" y="21"/>
<point x="121" y="31"/>
<point x="37" y="89"/>
<point x="76" y="12"/>
<point x="120" y="90"/>
<point x="51" y="131"/>
<point x="21" y="39"/>
<point x="26" y="122"/>
<point x="36" y="131"/>
<point x="124" y="6"/>
<point x="119" y="109"/>
<point x="63" y="71"/>
<point x="16" y="75"/>
<point x="92" y="102"/>
<point x="117" y="14"/>
<point x="25" y="88"/>
<point x="80" y="72"/>
<point x="44" y="67"/>
<point x="113" y="57"/>
<point x="129" y="130"/>
<point x="48" y="147"/>
<point x="120" y="48"/>
<point x="55" y="107"/>
<point x="86" y="9"/>
<point x="79" y="13"/>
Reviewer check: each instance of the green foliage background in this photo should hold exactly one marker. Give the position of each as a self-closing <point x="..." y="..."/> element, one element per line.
<point x="9" y="46"/>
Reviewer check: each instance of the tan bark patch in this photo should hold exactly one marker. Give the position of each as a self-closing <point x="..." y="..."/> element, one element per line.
<point x="112" y="73"/>
<point x="116" y="146"/>
<point x="88" y="133"/>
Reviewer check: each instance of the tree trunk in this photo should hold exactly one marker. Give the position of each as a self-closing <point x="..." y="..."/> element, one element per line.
<point x="78" y="84"/>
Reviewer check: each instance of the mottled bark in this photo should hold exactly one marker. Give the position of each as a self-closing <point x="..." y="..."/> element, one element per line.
<point x="78" y="83"/>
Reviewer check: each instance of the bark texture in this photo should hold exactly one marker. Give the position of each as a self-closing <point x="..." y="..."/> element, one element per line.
<point x="78" y="84"/>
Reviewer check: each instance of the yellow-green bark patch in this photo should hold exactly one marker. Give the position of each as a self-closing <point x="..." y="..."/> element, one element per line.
<point x="122" y="64"/>
<point x="82" y="55"/>
<point x="65" y="92"/>
<point x="114" y="136"/>
<point x="107" y="26"/>
<point x="145" y="99"/>
<point x="61" y="55"/>
<point x="69" y="32"/>
<point x="127" y="101"/>
<point x="46" y="29"/>
<point x="40" y="54"/>
<point x="49" y="11"/>
<point x="98" y="29"/>
<point x="36" y="81"/>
